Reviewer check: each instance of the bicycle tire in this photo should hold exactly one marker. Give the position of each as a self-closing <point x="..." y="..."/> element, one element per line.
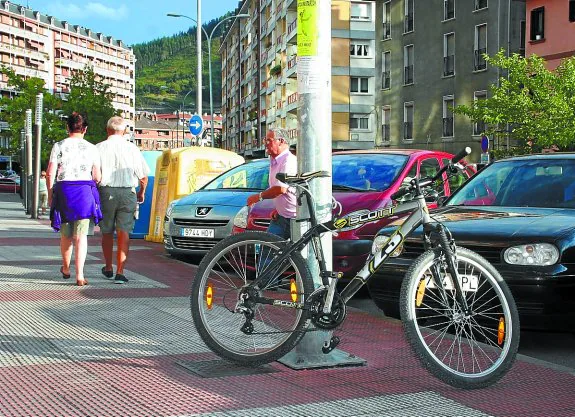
<point x="226" y="268"/>
<point x="461" y="351"/>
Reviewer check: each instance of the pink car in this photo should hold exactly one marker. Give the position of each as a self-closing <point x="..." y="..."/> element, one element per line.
<point x="364" y="181"/>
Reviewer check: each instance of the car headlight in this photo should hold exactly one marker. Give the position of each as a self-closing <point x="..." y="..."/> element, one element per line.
<point x="380" y="241"/>
<point x="241" y="219"/>
<point x="537" y="254"/>
<point x="169" y="210"/>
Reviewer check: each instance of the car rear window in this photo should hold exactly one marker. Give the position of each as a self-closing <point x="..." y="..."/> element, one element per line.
<point x="521" y="183"/>
<point x="367" y="171"/>
<point x="253" y="175"/>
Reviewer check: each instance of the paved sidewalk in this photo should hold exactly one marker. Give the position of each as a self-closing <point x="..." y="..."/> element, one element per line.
<point x="111" y="350"/>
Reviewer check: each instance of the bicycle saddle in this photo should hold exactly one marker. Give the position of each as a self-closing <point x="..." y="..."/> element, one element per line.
<point x="301" y="178"/>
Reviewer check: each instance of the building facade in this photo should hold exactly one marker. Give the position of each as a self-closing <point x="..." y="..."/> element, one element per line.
<point x="550" y="30"/>
<point x="259" y="74"/>
<point x="36" y="45"/>
<point x="431" y="59"/>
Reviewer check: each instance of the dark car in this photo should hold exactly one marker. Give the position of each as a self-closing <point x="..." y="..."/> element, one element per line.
<point x="519" y="213"/>
<point x="363" y="181"/>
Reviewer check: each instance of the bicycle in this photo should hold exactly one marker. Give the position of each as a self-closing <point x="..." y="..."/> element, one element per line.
<point x="253" y="297"/>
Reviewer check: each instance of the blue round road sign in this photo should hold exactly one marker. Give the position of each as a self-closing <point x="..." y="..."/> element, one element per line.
<point x="196" y="124"/>
<point x="484" y="143"/>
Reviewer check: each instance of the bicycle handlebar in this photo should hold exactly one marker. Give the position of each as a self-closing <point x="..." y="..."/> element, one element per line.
<point x="427" y="181"/>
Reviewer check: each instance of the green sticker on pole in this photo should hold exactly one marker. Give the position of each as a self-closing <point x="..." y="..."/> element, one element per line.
<point x="307" y="11"/>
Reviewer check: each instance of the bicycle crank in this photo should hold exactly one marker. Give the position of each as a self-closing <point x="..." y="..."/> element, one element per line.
<point x="331" y="320"/>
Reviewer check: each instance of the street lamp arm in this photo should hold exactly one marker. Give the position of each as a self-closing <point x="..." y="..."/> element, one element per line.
<point x="190" y="18"/>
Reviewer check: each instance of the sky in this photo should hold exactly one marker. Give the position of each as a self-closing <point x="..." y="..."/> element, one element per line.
<point x="132" y="21"/>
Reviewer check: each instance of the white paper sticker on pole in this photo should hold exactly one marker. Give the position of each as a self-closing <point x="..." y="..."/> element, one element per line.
<point x="308" y="80"/>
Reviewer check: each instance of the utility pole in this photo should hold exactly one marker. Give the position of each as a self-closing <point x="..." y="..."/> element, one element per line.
<point x="199" y="59"/>
<point x="28" y="150"/>
<point x="314" y="154"/>
<point x="37" y="156"/>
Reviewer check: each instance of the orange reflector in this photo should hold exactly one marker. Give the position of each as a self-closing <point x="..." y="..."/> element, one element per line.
<point x="293" y="290"/>
<point x="420" y="293"/>
<point x="501" y="331"/>
<point x="209" y="296"/>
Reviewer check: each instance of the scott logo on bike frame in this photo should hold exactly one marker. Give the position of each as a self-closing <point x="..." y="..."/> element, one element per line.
<point x="357" y="218"/>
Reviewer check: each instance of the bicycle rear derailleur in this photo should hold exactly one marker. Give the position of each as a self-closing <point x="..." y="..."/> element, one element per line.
<point x="331" y="320"/>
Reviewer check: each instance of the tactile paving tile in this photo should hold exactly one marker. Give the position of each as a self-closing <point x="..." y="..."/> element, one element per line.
<point x="48" y="277"/>
<point x="420" y="404"/>
<point x="57" y="331"/>
<point x="46" y="253"/>
<point x="220" y="368"/>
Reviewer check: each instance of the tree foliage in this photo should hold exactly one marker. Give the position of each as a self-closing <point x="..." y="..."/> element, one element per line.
<point x="14" y="110"/>
<point x="538" y="105"/>
<point x="92" y="97"/>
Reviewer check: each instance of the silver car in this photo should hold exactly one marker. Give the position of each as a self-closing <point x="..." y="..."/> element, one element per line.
<point x="195" y="223"/>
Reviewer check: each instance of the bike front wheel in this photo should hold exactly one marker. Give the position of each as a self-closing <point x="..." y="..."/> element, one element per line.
<point x="228" y="313"/>
<point x="466" y="349"/>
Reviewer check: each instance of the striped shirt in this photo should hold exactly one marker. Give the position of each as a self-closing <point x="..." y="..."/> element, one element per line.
<point x="122" y="163"/>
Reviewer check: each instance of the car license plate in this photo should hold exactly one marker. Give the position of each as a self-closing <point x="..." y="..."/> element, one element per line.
<point x="189" y="232"/>
<point x="469" y="283"/>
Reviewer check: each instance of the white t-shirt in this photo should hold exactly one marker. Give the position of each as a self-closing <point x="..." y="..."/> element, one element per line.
<point x="74" y="159"/>
<point x="122" y="163"/>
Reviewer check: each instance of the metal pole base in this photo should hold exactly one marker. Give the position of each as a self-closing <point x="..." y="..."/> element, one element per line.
<point x="297" y="360"/>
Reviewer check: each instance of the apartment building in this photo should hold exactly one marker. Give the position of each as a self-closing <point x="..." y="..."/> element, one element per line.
<point x="36" y="45"/>
<point x="430" y="59"/>
<point x="259" y="74"/>
<point x="551" y="30"/>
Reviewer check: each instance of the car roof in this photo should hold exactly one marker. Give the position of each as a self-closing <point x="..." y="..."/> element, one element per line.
<point x="551" y="155"/>
<point x="394" y="151"/>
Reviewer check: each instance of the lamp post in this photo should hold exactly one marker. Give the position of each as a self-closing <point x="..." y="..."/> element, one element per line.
<point x="209" y="38"/>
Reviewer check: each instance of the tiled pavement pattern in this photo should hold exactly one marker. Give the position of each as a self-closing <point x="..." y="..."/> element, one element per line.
<point x="116" y="350"/>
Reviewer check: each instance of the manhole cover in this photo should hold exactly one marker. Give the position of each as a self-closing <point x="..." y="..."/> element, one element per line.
<point x="221" y="368"/>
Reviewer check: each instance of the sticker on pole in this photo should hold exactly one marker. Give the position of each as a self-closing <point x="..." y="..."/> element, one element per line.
<point x="196" y="125"/>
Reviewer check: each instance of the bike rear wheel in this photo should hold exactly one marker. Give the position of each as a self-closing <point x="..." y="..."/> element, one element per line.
<point x="245" y="331"/>
<point x="464" y="350"/>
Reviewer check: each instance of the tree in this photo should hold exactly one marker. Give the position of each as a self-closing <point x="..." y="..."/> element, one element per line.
<point x="92" y="97"/>
<point x="537" y="104"/>
<point x="14" y="110"/>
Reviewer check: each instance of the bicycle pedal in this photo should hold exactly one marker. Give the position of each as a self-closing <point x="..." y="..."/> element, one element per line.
<point x="331" y="345"/>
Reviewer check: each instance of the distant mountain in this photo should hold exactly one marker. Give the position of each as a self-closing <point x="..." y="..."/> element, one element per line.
<point x="166" y="71"/>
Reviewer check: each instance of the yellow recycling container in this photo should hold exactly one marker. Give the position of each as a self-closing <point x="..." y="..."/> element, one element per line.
<point x="180" y="172"/>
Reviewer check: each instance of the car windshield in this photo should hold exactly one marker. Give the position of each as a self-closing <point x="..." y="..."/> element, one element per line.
<point x="545" y="182"/>
<point x="366" y="172"/>
<point x="252" y="175"/>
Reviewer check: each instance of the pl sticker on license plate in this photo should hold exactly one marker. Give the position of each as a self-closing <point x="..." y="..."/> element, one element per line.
<point x="188" y="232"/>
<point x="469" y="283"/>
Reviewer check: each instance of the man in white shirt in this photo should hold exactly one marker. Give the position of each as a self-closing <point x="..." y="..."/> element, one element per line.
<point x="123" y="169"/>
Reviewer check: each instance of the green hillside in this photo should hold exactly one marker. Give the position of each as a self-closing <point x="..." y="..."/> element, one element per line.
<point x="166" y="71"/>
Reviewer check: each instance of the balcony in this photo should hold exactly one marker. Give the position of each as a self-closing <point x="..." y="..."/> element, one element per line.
<point x="448" y="127"/>
<point x="479" y="62"/>
<point x="292" y="98"/>
<point x="292" y="62"/>
<point x="385" y="80"/>
<point x="408" y="75"/>
<point x="292" y="27"/>
<point x="448" y="65"/>
<point x="407" y="130"/>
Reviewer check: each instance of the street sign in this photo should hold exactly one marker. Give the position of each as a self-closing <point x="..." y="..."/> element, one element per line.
<point x="196" y="125"/>
<point x="484" y="143"/>
<point x="484" y="158"/>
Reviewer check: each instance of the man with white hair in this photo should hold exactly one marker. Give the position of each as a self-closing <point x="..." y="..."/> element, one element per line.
<point x="123" y="169"/>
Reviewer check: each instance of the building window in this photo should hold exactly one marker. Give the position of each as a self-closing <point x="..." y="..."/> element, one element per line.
<point x="387" y="20"/>
<point x="408" y="65"/>
<point x="480" y="4"/>
<point x="572" y="10"/>
<point x="448" y="9"/>
<point x="448" y="54"/>
<point x="359" y="85"/>
<point x="479" y="126"/>
<point x="360" y="11"/>
<point x="522" y="38"/>
<point x="537" y="24"/>
<point x="480" y="47"/>
<point x="408" y="121"/>
<point x="385" y="68"/>
<point x="448" y="104"/>
<point x="385" y="120"/>
<point x="359" y="49"/>
<point x="408" y="17"/>
<point x="359" y="121"/>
